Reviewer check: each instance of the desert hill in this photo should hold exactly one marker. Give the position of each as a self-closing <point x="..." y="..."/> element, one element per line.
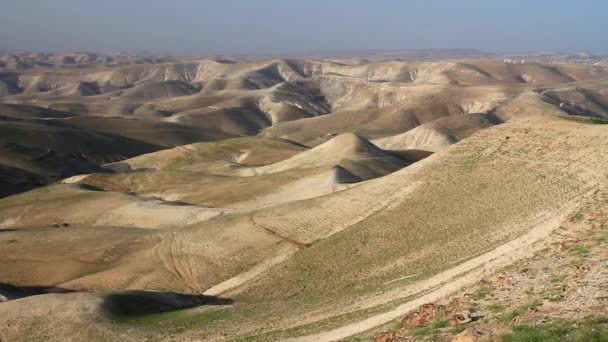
<point x="230" y="174"/>
<point x="27" y="60"/>
<point x="291" y="199"/>
<point x="304" y="100"/>
<point x="349" y="151"/>
<point x="38" y="148"/>
<point x="49" y="150"/>
<point x="438" y="134"/>
<point x="222" y="155"/>
<point x="444" y="204"/>
<point x="165" y="134"/>
<point x="27" y="111"/>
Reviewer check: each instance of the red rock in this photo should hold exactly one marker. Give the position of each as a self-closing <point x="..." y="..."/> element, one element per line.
<point x="460" y="318"/>
<point x="387" y="337"/>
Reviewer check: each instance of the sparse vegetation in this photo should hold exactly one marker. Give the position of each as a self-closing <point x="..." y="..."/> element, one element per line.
<point x="496" y="307"/>
<point x="174" y="320"/>
<point x="509" y="316"/>
<point x="440" y="323"/>
<point x="580" y="250"/>
<point x="204" y="197"/>
<point x="424" y="331"/>
<point x="586" y="120"/>
<point x="482" y="293"/>
<point x="590" y="330"/>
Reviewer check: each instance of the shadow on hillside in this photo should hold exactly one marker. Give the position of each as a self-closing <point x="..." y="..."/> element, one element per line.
<point x="11" y="292"/>
<point x="410" y="156"/>
<point x="138" y="302"/>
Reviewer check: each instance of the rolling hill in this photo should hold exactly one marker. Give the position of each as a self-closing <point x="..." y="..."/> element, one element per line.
<point x="298" y="200"/>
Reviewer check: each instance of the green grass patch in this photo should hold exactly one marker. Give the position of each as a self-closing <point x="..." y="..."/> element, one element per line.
<point x="580" y="250"/>
<point x="509" y="316"/>
<point x="426" y="331"/>
<point x="482" y="293"/>
<point x="173" y="318"/>
<point x="578" y="217"/>
<point x="440" y="323"/>
<point x="601" y="238"/>
<point x="590" y="330"/>
<point x="585" y="120"/>
<point x="495" y="307"/>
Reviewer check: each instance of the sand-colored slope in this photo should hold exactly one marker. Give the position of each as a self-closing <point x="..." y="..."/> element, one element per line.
<point x="231" y="173"/>
<point x="372" y="242"/>
<point x="220" y="157"/>
<point x="481" y="71"/>
<point x="448" y="212"/>
<point x="159" y="90"/>
<point x="377" y="109"/>
<point x="228" y="174"/>
<point x="77" y="204"/>
<point x="189" y="261"/>
<point x="302" y="258"/>
<point x="587" y="100"/>
<point x="225" y="191"/>
<point x="439" y="134"/>
<point x="122" y="90"/>
<point x="349" y="151"/>
<point x="157" y="133"/>
<point x="238" y="116"/>
<point x="291" y="98"/>
<point x="248" y="75"/>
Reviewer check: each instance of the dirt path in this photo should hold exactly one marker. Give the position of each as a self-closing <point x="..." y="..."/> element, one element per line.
<point x="465" y="274"/>
<point x="242" y="278"/>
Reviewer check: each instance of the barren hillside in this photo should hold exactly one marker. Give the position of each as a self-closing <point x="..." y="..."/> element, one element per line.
<point x="312" y="200"/>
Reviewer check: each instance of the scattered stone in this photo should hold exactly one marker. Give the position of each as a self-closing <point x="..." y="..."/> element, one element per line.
<point x="458" y="304"/>
<point x="462" y="317"/>
<point x="499" y="281"/>
<point x="60" y="224"/>
<point x="483" y="332"/>
<point x="422" y="317"/>
<point x="477" y="315"/>
<point x="387" y="337"/>
<point x="413" y="320"/>
<point x="581" y="270"/>
<point x="566" y="245"/>
<point x="3" y="299"/>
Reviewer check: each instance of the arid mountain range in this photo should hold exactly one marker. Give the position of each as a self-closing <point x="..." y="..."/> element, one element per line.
<point x="177" y="198"/>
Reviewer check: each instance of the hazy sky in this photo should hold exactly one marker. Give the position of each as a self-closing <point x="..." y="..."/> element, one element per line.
<point x="300" y="26"/>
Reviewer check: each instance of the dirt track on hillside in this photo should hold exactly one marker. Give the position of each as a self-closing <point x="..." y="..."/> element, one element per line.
<point x="465" y="274"/>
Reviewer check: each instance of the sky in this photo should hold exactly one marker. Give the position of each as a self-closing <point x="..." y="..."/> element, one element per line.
<point x="303" y="26"/>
